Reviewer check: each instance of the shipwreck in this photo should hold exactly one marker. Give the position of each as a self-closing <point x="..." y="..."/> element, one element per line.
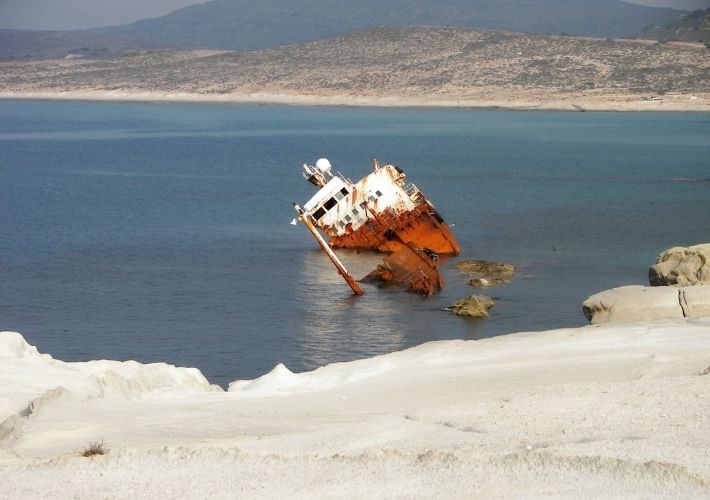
<point x="380" y="212"/>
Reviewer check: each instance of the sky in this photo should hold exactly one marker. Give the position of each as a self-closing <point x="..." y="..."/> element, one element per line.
<point x="79" y="14"/>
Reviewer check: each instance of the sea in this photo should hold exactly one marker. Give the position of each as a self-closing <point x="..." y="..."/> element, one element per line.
<point x="160" y="232"/>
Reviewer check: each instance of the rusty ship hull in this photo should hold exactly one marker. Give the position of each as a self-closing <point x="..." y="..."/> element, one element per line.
<point x="381" y="212"/>
<point x="422" y="226"/>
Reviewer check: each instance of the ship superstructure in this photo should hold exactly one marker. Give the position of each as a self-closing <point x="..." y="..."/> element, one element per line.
<point x="379" y="212"/>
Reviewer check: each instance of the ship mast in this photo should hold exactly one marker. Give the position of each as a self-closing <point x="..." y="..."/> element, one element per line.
<point x="306" y="219"/>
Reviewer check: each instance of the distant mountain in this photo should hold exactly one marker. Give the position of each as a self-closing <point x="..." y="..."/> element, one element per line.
<point x="693" y="27"/>
<point x="56" y="44"/>
<point x="249" y="24"/>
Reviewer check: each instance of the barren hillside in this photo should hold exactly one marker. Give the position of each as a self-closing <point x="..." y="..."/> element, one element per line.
<point x="692" y="27"/>
<point x="447" y="66"/>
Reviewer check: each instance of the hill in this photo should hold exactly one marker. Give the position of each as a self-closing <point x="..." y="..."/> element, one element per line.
<point x="693" y="27"/>
<point x="392" y="66"/>
<point x="248" y="25"/>
<point x="244" y="24"/>
<point x="56" y="44"/>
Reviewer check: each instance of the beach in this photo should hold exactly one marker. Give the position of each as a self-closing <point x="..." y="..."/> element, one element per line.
<point x="519" y="101"/>
<point x="604" y="410"/>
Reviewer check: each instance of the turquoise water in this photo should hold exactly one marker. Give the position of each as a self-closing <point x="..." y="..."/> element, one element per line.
<point x="160" y="232"/>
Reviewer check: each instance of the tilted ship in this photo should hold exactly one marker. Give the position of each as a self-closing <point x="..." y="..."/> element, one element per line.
<point x="379" y="212"/>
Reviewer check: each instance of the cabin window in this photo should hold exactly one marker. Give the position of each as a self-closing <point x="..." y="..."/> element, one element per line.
<point x="319" y="213"/>
<point x="348" y="218"/>
<point x="355" y="211"/>
<point x="344" y="191"/>
<point x="330" y="204"/>
<point x="371" y="198"/>
<point x="363" y="205"/>
<point x="378" y="193"/>
<point x="338" y="196"/>
<point x="341" y="224"/>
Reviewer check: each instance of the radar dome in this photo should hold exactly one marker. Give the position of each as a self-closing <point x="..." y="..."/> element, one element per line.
<point x="323" y="165"/>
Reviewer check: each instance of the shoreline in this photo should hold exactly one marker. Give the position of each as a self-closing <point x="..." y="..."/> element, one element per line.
<point x="603" y="410"/>
<point x="674" y="103"/>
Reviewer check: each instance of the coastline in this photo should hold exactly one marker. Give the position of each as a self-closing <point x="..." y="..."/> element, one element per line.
<point x="604" y="410"/>
<point x="617" y="103"/>
<point x="390" y="67"/>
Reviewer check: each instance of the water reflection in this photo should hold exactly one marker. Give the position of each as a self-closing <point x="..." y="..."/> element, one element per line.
<point x="338" y="325"/>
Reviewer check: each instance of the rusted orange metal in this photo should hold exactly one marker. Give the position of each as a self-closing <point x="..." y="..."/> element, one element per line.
<point x="423" y="227"/>
<point x="411" y="267"/>
<point x="381" y="212"/>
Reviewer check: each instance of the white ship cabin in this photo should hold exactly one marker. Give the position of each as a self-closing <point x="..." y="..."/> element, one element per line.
<point x="340" y="206"/>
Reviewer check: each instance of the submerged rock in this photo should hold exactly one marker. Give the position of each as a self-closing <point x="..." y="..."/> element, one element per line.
<point x="481" y="282"/>
<point x="646" y="303"/>
<point x="474" y="306"/>
<point x="486" y="267"/>
<point x="682" y="266"/>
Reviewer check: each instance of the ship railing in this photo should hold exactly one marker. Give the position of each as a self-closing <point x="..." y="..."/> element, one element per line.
<point x="411" y="189"/>
<point x="413" y="192"/>
<point x="346" y="180"/>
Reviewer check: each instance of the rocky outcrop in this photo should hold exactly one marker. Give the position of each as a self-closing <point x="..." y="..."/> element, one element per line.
<point x="474" y="306"/>
<point x="646" y="303"/>
<point x="695" y="301"/>
<point x="681" y="266"/>
<point x="486" y="272"/>
<point x="680" y="288"/>
<point x="486" y="268"/>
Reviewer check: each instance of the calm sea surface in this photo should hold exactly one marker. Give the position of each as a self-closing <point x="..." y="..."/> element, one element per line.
<point x="160" y="232"/>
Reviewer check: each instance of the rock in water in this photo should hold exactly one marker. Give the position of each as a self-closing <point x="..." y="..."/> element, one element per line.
<point x="475" y="306"/>
<point x="681" y="266"/>
<point x="486" y="267"/>
<point x="479" y="282"/>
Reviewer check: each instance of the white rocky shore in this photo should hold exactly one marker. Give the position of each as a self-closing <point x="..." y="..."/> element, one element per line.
<point x="680" y="288"/>
<point x="605" y="410"/>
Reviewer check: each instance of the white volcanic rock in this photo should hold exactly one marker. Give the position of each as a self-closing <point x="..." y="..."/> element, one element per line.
<point x="695" y="301"/>
<point x="682" y="266"/>
<point x="601" y="411"/>
<point x="633" y="303"/>
<point x="647" y="303"/>
<point x="46" y="378"/>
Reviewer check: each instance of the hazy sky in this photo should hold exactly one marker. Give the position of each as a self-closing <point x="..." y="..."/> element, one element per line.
<point x="76" y="14"/>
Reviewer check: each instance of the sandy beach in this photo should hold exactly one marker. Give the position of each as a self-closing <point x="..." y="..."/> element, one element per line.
<point x="605" y="410"/>
<point x="670" y="103"/>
